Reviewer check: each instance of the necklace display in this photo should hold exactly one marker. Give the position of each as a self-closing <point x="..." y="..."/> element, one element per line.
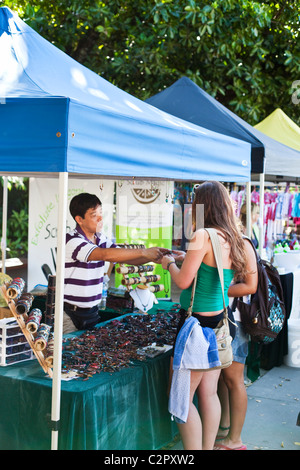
<point x="143" y="298"/>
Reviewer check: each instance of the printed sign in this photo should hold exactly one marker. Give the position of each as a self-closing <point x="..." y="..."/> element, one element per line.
<point x="43" y="217"/>
<point x="145" y="216"/>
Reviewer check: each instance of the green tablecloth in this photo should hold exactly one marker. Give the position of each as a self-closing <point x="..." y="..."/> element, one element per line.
<point x="126" y="410"/>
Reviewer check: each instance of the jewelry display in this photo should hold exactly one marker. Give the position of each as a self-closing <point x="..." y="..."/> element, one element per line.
<point x="49" y="351"/>
<point x="34" y="320"/>
<point x="143" y="298"/>
<point x="135" y="269"/>
<point x="15" y="288"/>
<point x="28" y="322"/>
<point x="119" y="344"/>
<point x="50" y="301"/>
<point x="142" y="279"/>
<point x="42" y="336"/>
<point x="23" y="304"/>
<point x="143" y="294"/>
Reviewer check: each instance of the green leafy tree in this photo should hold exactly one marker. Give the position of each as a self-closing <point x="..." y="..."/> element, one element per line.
<point x="17" y="216"/>
<point x="244" y="53"/>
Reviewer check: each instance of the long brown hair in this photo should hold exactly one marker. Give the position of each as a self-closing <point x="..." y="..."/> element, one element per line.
<point x="219" y="214"/>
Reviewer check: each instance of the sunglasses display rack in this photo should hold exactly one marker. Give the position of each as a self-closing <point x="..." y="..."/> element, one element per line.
<point x="13" y="345"/>
<point x="11" y="293"/>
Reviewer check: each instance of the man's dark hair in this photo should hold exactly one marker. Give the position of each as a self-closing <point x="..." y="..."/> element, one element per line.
<point x="83" y="202"/>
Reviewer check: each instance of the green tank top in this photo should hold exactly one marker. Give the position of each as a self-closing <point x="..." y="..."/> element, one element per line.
<point x="208" y="293"/>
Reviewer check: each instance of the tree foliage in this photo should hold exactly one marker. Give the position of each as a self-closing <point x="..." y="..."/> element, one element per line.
<point x="244" y="53"/>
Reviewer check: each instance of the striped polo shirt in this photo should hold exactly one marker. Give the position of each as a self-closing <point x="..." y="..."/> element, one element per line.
<point x="83" y="279"/>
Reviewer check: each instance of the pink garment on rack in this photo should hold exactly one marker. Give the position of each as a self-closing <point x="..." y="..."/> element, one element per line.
<point x="255" y="197"/>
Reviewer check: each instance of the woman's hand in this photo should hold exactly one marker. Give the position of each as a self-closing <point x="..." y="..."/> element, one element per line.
<point x="166" y="260"/>
<point x="178" y="255"/>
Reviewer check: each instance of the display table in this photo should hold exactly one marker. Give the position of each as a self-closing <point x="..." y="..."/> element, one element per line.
<point x="125" y="410"/>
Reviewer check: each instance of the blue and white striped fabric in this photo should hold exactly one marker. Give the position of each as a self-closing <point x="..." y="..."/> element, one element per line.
<point x="83" y="278"/>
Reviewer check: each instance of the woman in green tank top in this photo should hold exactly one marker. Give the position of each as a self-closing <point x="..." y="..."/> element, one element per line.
<point x="212" y="201"/>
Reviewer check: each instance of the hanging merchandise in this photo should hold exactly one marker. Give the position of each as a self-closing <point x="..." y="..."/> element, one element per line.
<point x="281" y="211"/>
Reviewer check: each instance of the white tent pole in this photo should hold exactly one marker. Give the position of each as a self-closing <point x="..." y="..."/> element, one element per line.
<point x="248" y="209"/>
<point x="261" y="212"/>
<point x="4" y="224"/>
<point x="59" y="299"/>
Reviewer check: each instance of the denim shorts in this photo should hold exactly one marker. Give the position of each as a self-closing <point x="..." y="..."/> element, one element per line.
<point x="240" y="344"/>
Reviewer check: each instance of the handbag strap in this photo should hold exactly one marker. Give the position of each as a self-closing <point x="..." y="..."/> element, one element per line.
<point x="218" y="257"/>
<point x="190" y="309"/>
<point x="219" y="262"/>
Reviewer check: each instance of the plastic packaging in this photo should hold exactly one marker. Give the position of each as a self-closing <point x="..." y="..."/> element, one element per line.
<point x="102" y="305"/>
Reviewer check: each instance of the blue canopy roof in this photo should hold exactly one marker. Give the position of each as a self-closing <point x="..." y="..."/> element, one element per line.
<point x="58" y="116"/>
<point x="186" y="100"/>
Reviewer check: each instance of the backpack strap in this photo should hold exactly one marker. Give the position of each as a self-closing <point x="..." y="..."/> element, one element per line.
<point x="255" y="250"/>
<point x="258" y="260"/>
<point x="190" y="309"/>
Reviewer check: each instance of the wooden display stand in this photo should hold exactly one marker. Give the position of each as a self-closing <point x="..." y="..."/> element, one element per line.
<point x="21" y="320"/>
<point x="5" y="313"/>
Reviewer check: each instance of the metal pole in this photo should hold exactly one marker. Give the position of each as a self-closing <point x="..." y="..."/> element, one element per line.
<point x="4" y="224"/>
<point x="59" y="308"/>
<point x="248" y="210"/>
<point x="261" y="212"/>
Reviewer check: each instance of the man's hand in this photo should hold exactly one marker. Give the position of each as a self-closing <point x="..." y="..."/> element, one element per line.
<point x="155" y="253"/>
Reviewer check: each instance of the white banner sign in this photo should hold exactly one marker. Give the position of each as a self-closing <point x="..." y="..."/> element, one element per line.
<point x="43" y="216"/>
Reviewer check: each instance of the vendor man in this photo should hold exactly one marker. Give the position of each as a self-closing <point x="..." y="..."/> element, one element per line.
<point x="87" y="249"/>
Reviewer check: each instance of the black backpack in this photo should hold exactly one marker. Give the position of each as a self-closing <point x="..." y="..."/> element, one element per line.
<point x="264" y="317"/>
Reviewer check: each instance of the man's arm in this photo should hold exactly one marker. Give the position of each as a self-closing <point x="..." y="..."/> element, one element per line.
<point x="124" y="255"/>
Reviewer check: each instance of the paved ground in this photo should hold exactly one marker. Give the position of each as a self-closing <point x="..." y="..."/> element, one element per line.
<point x="273" y="408"/>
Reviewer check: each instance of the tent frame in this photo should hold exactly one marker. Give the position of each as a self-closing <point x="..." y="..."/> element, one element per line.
<point x="59" y="309"/>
